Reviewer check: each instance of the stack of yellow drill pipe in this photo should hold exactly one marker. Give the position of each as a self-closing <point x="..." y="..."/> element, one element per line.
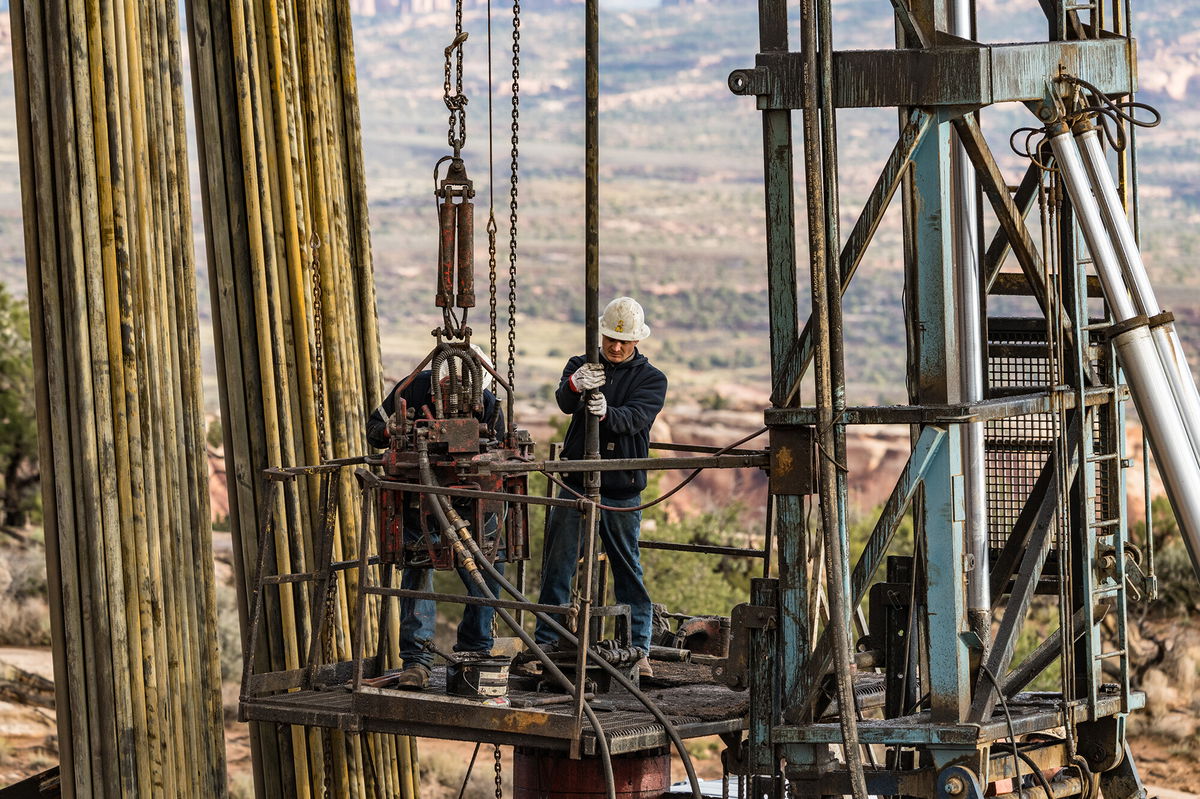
<point x="287" y="233"/>
<point x="112" y="290"/>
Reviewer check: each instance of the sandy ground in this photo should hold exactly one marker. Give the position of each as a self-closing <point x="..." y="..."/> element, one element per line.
<point x="28" y="745"/>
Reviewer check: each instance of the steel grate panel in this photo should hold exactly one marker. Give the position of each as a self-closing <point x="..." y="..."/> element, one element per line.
<point x="1017" y="448"/>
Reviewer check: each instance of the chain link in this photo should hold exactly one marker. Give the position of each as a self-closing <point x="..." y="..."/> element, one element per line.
<point x="496" y="766"/>
<point x="491" y="234"/>
<point x="456" y="103"/>
<point x="318" y="345"/>
<point x="512" y="197"/>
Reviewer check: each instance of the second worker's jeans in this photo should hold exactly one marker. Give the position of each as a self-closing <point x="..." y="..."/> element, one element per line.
<point x="619" y="532"/>
<point x="418" y="617"/>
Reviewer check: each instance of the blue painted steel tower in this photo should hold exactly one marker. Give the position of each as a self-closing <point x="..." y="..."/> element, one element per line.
<point x="1015" y="481"/>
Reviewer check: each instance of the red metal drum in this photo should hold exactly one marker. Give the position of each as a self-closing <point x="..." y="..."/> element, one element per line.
<point x="545" y="774"/>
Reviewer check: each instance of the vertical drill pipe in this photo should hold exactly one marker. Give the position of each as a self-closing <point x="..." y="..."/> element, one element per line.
<point x="466" y="255"/>
<point x="1166" y="339"/>
<point x="254" y="271"/>
<point x="815" y="177"/>
<point x="591" y="305"/>
<point x="591" y="311"/>
<point x="65" y="621"/>
<point x="145" y="586"/>
<point x="211" y="71"/>
<point x="970" y="336"/>
<point x="107" y="621"/>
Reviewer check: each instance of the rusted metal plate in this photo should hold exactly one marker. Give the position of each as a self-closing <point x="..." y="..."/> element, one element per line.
<point x="538" y="774"/>
<point x="955" y="75"/>
<point x="941" y="76"/>
<point x="418" y="707"/>
<point x="793" y="460"/>
<point x="459" y="435"/>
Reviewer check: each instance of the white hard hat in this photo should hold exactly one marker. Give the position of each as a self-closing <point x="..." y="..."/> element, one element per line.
<point x="624" y="320"/>
<point x="444" y="367"/>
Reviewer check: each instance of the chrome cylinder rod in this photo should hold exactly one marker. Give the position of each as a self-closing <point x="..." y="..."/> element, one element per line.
<point x="1087" y="212"/>
<point x="1166" y="339"/>
<point x="1138" y="355"/>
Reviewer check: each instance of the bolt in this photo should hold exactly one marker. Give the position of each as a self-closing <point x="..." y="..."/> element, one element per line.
<point x="955" y="786"/>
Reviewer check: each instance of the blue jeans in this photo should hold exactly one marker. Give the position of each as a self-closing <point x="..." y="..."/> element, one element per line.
<point x="418" y="617"/>
<point x="619" y="534"/>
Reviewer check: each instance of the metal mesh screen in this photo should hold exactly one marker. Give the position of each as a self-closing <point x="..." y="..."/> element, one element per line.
<point x="1016" y="449"/>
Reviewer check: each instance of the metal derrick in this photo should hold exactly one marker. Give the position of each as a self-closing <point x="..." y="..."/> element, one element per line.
<point x="297" y="346"/>
<point x="1048" y="471"/>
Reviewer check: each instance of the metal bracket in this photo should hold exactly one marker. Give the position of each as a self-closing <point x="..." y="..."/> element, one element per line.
<point x="734" y="670"/>
<point x="793" y="460"/>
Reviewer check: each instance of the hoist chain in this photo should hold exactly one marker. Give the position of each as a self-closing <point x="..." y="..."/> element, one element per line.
<point x="318" y="345"/>
<point x="329" y="519"/>
<point x="512" y="197"/>
<point x="456" y="103"/>
<point x="499" y="783"/>
<point x="491" y="234"/>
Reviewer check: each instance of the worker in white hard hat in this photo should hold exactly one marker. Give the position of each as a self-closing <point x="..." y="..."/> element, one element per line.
<point x="630" y="394"/>
<point x="418" y="616"/>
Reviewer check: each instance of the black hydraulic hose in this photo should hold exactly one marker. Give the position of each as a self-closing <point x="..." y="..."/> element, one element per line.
<point x="456" y="536"/>
<point x="613" y="671"/>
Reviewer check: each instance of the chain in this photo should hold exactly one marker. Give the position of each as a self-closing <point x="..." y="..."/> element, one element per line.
<point x="496" y="766"/>
<point x="491" y="234"/>
<point x="330" y="596"/>
<point x="512" y="197"/>
<point x="491" y="223"/>
<point x="456" y="103"/>
<point x="318" y="344"/>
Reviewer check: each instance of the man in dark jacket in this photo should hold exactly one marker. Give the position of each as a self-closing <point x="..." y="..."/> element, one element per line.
<point x="631" y="394"/>
<point x="418" y="617"/>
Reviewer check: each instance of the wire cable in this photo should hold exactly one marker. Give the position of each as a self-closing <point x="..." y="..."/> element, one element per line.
<point x="665" y="496"/>
<point x="1012" y="735"/>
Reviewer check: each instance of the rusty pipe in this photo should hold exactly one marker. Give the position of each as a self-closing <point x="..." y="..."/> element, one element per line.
<point x="466" y="255"/>
<point x="447" y="215"/>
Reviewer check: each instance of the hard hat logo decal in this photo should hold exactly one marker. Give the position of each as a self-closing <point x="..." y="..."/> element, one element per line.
<point x="624" y="319"/>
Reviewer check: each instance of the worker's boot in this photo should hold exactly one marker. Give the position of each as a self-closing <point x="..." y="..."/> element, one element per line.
<point x="644" y="668"/>
<point x="413" y="678"/>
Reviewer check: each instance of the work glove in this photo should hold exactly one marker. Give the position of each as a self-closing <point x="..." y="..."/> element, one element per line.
<point x="588" y="376"/>
<point x="597" y="405"/>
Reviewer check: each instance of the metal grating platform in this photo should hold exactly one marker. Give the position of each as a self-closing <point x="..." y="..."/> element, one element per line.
<point x="695" y="709"/>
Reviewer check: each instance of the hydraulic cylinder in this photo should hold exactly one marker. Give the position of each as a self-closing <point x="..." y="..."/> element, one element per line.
<point x="1138" y="355"/>
<point x="1170" y="350"/>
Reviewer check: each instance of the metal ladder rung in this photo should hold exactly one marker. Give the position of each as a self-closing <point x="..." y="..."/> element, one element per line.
<point x="1113" y="654"/>
<point x="1111" y="456"/>
<point x="1105" y="523"/>
<point x="1108" y="590"/>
